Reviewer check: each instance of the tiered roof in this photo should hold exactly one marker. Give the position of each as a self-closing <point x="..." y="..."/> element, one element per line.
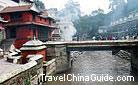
<point x="19" y="9"/>
<point x="30" y="1"/>
<point x="25" y="8"/>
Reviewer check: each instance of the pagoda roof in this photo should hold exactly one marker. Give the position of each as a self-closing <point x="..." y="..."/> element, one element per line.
<point x="33" y="45"/>
<point x="20" y="9"/>
<point x="31" y="1"/>
<point x="34" y="42"/>
<point x="46" y="17"/>
<point x="29" y="23"/>
<point x="17" y="1"/>
<point x="56" y="31"/>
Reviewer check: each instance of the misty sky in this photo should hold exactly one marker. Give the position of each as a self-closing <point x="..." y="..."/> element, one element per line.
<point x="86" y="5"/>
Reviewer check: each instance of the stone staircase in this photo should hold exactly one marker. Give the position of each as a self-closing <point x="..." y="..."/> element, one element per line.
<point x="124" y="54"/>
<point x="6" y="44"/>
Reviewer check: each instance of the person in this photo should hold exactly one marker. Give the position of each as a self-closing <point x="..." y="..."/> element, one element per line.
<point x="109" y="37"/>
<point x="135" y="37"/>
<point x="123" y="37"/>
<point x="114" y="38"/>
<point x="100" y="37"/>
<point x="94" y="38"/>
<point x="127" y="37"/>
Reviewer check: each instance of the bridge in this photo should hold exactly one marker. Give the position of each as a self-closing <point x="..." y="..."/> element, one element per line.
<point x="101" y="45"/>
<point x="61" y="50"/>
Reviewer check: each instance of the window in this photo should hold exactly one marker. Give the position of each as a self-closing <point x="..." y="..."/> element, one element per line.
<point x="40" y="18"/>
<point x="16" y="16"/>
<point x="33" y="17"/>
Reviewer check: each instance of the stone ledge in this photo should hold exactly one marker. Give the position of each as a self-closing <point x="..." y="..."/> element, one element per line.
<point x="49" y="62"/>
<point x="4" y="77"/>
<point x="21" y="68"/>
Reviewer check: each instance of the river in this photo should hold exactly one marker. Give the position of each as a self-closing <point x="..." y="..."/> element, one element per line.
<point x="98" y="63"/>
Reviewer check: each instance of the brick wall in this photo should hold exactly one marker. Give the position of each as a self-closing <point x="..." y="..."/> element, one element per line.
<point x="18" y="43"/>
<point x="27" y="17"/>
<point x="23" y="34"/>
<point x="41" y="20"/>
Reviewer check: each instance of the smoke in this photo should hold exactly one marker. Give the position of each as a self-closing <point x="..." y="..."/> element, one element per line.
<point x="68" y="32"/>
<point x="66" y="16"/>
<point x="118" y="8"/>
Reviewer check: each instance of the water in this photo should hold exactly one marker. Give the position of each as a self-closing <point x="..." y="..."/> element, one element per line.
<point x="101" y="62"/>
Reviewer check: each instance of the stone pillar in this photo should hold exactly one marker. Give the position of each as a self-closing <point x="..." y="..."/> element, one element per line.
<point x="134" y="59"/>
<point x="69" y="60"/>
<point x="60" y="53"/>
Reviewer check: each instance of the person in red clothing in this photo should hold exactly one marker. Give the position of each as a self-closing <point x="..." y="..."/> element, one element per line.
<point x="110" y="37"/>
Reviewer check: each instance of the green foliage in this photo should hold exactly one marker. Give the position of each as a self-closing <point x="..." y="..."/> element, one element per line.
<point x="39" y="4"/>
<point x="27" y="81"/>
<point x="90" y="24"/>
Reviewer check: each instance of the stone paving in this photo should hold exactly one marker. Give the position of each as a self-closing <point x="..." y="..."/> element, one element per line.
<point x="6" y="67"/>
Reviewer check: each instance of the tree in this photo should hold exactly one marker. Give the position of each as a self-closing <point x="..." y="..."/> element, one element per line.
<point x="99" y="11"/>
<point x="39" y="4"/>
<point x="90" y="24"/>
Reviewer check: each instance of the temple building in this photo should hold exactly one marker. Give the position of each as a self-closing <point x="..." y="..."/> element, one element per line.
<point x="56" y="35"/>
<point x="6" y="3"/>
<point x="25" y="22"/>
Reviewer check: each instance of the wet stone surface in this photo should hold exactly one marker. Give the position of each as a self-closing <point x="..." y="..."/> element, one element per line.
<point x="98" y="62"/>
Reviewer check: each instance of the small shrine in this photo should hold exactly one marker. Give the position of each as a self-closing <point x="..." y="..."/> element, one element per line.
<point x="32" y="47"/>
<point x="56" y="35"/>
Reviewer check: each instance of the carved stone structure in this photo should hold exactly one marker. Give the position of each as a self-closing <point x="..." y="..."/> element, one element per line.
<point x="59" y="52"/>
<point x="33" y="47"/>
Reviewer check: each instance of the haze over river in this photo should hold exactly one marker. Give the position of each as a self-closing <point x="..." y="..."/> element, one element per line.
<point x="98" y="62"/>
